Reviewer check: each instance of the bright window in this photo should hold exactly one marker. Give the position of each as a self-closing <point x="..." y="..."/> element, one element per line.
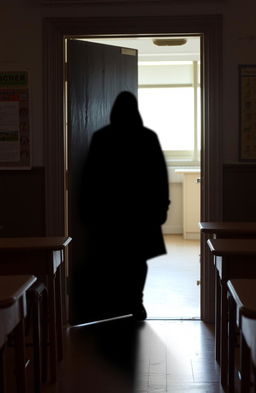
<point x="170" y="113"/>
<point x="172" y="110"/>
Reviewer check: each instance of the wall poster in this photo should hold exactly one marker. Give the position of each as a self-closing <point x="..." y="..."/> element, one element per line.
<point x="247" y="121"/>
<point x="14" y="120"/>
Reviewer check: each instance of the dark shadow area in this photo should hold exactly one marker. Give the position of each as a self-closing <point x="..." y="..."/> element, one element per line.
<point x="104" y="356"/>
<point x="123" y="201"/>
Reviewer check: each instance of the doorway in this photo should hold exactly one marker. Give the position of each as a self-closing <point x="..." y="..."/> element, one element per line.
<point x="169" y="101"/>
<point x="210" y="28"/>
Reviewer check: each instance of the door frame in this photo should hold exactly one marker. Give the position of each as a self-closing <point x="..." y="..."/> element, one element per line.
<point x="209" y="27"/>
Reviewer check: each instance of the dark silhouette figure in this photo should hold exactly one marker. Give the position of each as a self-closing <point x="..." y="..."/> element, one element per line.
<point x="124" y="203"/>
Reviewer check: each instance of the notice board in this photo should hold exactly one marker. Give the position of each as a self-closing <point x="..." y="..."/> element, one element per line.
<point x="15" y="149"/>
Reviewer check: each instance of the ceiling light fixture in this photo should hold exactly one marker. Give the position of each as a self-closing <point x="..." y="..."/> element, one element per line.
<point x="170" y="41"/>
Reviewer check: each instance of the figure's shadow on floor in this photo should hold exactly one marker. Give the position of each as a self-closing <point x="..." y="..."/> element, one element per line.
<point x="105" y="353"/>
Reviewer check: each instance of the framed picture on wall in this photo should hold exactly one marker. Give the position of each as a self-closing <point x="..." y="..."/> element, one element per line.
<point x="247" y="112"/>
<point x="15" y="141"/>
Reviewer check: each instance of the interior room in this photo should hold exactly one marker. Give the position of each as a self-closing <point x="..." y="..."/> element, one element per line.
<point x="190" y="345"/>
<point x="168" y="91"/>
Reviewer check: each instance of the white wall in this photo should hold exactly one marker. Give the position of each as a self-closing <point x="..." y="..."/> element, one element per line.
<point x="165" y="74"/>
<point x="173" y="224"/>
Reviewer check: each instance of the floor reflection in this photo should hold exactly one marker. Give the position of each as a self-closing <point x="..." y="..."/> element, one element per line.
<point x="123" y="356"/>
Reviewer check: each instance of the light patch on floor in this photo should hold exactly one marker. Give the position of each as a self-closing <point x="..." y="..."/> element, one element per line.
<point x="171" y="289"/>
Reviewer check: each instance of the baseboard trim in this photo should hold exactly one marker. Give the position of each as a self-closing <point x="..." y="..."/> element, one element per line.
<point x="191" y="236"/>
<point x="172" y="229"/>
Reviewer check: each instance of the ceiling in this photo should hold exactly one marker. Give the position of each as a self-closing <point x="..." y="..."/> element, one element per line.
<point x="148" y="51"/>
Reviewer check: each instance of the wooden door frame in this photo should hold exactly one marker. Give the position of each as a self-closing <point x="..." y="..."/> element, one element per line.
<point x="210" y="29"/>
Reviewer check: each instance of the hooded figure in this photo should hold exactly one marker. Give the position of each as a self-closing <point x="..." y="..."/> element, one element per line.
<point x="124" y="202"/>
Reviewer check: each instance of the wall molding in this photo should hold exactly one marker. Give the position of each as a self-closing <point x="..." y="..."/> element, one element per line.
<point x="72" y="3"/>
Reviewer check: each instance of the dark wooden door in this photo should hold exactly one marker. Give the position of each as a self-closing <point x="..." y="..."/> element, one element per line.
<point x="96" y="75"/>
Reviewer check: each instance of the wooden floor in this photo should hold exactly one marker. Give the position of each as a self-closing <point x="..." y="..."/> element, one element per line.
<point x="171" y="289"/>
<point x="148" y="357"/>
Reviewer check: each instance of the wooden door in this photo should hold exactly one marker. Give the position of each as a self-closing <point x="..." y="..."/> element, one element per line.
<point x="96" y="75"/>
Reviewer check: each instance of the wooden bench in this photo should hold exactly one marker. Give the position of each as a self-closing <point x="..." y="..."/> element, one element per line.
<point x="42" y="257"/>
<point x="248" y="349"/>
<point x="233" y="258"/>
<point x="242" y="314"/>
<point x="228" y="229"/>
<point x="37" y="323"/>
<point x="13" y="310"/>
